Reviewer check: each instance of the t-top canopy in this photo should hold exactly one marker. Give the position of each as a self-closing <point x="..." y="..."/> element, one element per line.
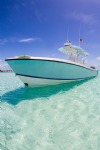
<point x="69" y="48"/>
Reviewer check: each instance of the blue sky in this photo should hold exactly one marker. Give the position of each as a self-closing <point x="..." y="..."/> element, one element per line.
<point x="39" y="27"/>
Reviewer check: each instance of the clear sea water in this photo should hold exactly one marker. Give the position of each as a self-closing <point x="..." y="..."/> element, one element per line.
<point x="62" y="117"/>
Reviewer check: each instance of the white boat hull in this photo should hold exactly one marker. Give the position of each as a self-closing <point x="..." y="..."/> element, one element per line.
<point x="38" y="82"/>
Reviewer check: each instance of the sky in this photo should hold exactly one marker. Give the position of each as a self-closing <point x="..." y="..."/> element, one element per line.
<point x="41" y="27"/>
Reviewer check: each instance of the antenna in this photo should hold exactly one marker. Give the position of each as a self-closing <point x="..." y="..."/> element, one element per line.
<point x="79" y="35"/>
<point x="67" y="33"/>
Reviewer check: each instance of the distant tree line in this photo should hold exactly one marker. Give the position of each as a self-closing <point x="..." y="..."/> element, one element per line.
<point x="6" y="71"/>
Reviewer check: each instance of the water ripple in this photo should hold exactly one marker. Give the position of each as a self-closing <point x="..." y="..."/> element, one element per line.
<point x="49" y="118"/>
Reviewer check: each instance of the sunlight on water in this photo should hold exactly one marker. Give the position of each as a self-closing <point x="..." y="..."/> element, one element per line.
<point x="63" y="117"/>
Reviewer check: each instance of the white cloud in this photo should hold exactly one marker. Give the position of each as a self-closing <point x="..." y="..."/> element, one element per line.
<point x="4" y="65"/>
<point x="83" y="17"/>
<point x="22" y="40"/>
<point x="27" y="40"/>
<point x="1" y="65"/>
<point x="98" y="58"/>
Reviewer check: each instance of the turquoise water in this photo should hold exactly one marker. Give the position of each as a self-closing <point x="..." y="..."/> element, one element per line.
<point x="62" y="117"/>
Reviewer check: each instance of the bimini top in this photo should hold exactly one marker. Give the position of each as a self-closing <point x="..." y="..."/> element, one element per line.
<point x="69" y="48"/>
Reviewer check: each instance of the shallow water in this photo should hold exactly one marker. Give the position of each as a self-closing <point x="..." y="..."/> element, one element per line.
<point x="62" y="117"/>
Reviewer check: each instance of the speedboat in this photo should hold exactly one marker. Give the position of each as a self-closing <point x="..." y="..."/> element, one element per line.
<point x="43" y="71"/>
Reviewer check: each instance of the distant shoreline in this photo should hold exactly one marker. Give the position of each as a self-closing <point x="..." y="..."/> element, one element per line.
<point x="6" y="71"/>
